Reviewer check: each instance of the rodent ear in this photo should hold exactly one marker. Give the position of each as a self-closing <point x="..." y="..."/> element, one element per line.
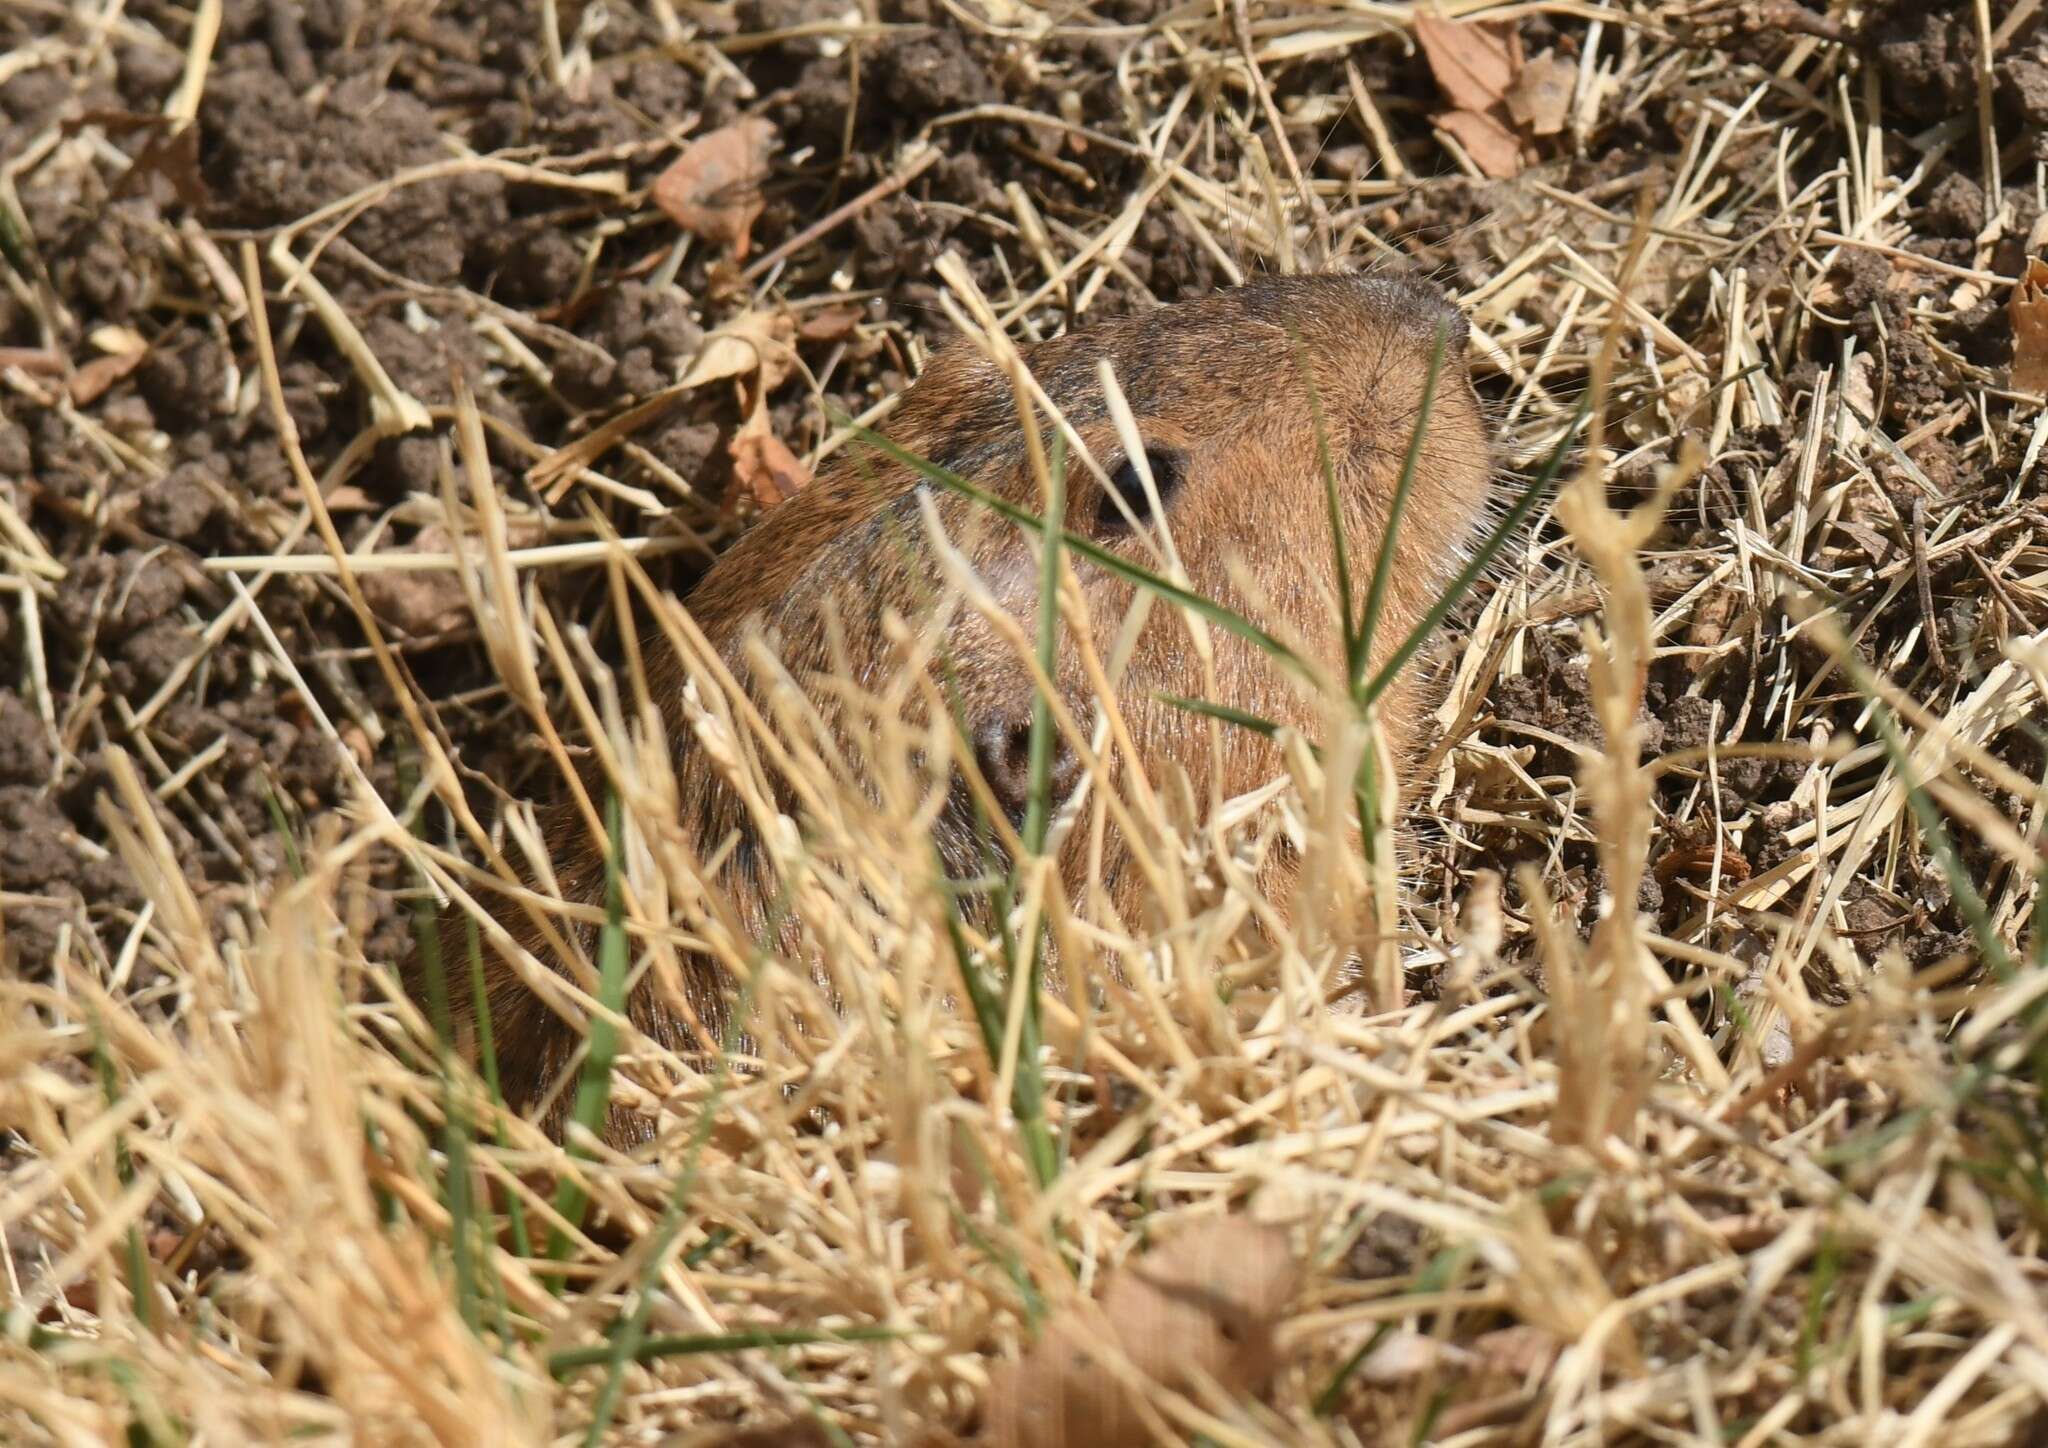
<point x="1126" y="503"/>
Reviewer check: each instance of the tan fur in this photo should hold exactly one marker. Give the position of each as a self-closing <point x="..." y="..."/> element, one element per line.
<point x="1219" y="378"/>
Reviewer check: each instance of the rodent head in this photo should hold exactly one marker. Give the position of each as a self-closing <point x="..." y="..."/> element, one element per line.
<point x="1229" y="393"/>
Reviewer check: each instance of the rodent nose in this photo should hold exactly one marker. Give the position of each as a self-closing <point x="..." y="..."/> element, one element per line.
<point x="1002" y="751"/>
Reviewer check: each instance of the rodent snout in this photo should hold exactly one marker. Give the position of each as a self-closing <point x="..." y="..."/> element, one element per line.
<point x="1002" y="751"/>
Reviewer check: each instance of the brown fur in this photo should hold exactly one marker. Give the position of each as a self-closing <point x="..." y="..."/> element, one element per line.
<point x="1219" y="379"/>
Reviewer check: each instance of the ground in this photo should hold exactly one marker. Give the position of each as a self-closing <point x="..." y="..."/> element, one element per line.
<point x="1799" y="231"/>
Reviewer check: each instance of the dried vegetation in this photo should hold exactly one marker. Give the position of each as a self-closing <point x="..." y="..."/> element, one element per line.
<point x="364" y="367"/>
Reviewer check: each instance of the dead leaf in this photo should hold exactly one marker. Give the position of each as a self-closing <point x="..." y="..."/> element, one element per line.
<point x="1494" y="148"/>
<point x="1540" y="98"/>
<point x="1876" y="547"/>
<point x="348" y="498"/>
<point x="828" y="324"/>
<point x="173" y="156"/>
<point x="418" y="605"/>
<point x="756" y="342"/>
<point x="1205" y="1303"/>
<point x="90" y="382"/>
<point x="763" y="463"/>
<point x="1473" y="64"/>
<point x="172" y="151"/>
<point x="357" y="743"/>
<point x="1699" y="862"/>
<point x="713" y="189"/>
<point x="2029" y="312"/>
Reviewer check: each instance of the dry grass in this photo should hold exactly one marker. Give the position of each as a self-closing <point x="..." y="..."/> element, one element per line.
<point x="1726" y="1174"/>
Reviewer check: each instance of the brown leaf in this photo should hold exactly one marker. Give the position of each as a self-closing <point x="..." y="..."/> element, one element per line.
<point x="756" y="342"/>
<point x="348" y="498"/>
<point x="2029" y="312"/>
<point x="1205" y="1303"/>
<point x="713" y="189"/>
<point x="172" y="151"/>
<point x="1876" y="547"/>
<point x="828" y="324"/>
<point x="763" y="463"/>
<point x="1473" y="64"/>
<point x="1699" y="862"/>
<point x="1540" y="99"/>
<point x="91" y="381"/>
<point x="175" y="157"/>
<point x="1494" y="148"/>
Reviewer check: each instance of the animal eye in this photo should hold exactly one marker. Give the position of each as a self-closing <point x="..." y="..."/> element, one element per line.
<point x="1168" y="466"/>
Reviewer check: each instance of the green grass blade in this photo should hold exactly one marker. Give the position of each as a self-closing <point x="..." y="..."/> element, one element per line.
<point x="1482" y="557"/>
<point x="1827" y="1267"/>
<point x="1038" y="809"/>
<point x="487" y="1056"/>
<point x="1333" y="1391"/>
<point x="594" y="1085"/>
<point x="454" y="1121"/>
<point x="457" y="1131"/>
<point x="697" y="1344"/>
<point x="280" y="822"/>
<point x="1038" y="805"/>
<point x="1242" y="718"/>
<point x="1203" y="607"/>
<point x="1333" y="500"/>
<point x="629" y="1334"/>
<point x="1435" y="1276"/>
<point x="1027" y="1088"/>
<point x="1935" y="831"/>
<point x="1383" y="568"/>
<point x="124" y="1171"/>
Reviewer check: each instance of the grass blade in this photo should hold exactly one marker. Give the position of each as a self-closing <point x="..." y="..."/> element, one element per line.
<point x="1038" y="809"/>
<point x="1333" y="500"/>
<point x="1203" y="607"/>
<point x="1482" y="556"/>
<point x="629" y="1340"/>
<point x="124" y="1172"/>
<point x="594" y="1085"/>
<point x="1243" y="718"/>
<point x="1383" y="568"/>
<point x="1027" y="1089"/>
<point x="570" y="1359"/>
<point x="1975" y="912"/>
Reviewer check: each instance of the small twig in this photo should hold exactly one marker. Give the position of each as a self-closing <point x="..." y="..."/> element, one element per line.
<point x="549" y="555"/>
<point x="913" y="168"/>
<point x="1930" y="625"/>
<point x="1311" y="203"/>
<point x="183" y="103"/>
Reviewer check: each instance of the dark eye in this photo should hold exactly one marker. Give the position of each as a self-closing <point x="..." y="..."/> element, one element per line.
<point x="1168" y="468"/>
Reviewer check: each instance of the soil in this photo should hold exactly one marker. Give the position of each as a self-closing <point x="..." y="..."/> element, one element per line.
<point x="306" y="106"/>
